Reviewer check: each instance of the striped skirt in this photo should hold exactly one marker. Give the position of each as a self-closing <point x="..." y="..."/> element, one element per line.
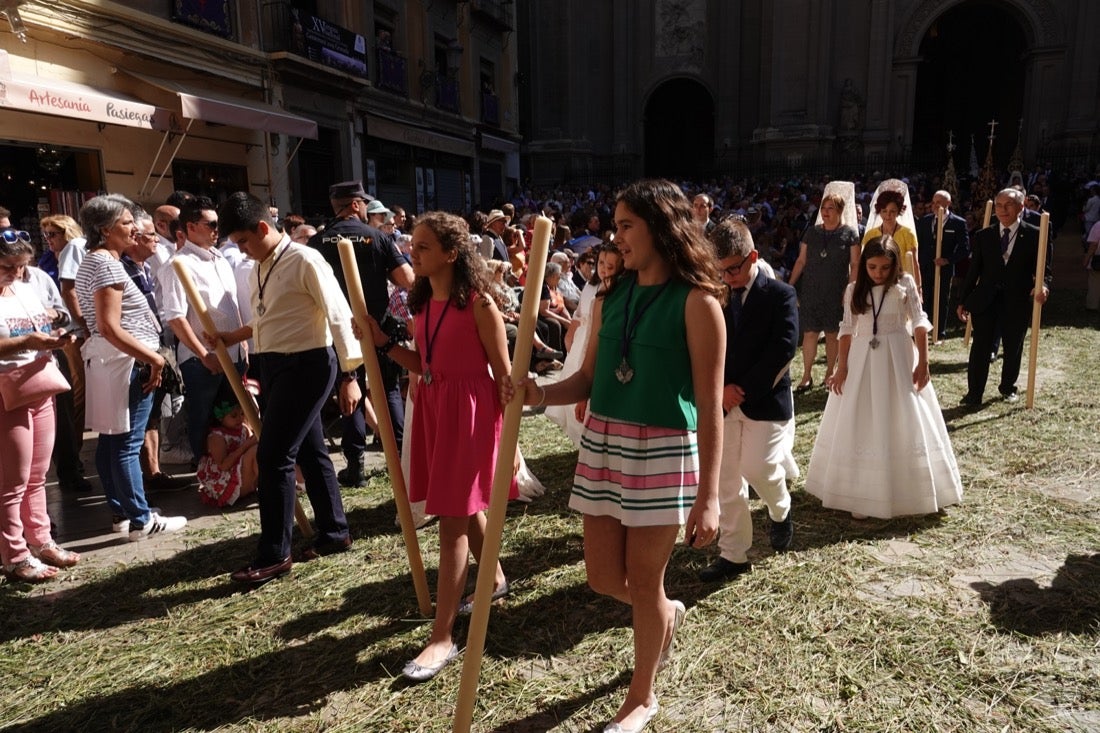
<point x="640" y="474"/>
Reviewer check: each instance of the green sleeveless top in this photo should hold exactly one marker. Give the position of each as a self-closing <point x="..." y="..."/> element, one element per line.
<point x="660" y="392"/>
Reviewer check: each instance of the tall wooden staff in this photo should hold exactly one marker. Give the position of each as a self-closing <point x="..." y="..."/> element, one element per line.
<point x="1037" y="307"/>
<point x="941" y="219"/>
<point x="385" y="427"/>
<point x="985" y="222"/>
<point x="248" y="406"/>
<point x="502" y="479"/>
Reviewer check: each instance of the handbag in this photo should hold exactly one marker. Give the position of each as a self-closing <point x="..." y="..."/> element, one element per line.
<point x="171" y="378"/>
<point x="30" y="383"/>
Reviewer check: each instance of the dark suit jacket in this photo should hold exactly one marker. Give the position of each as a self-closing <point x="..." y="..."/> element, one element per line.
<point x="761" y="347"/>
<point x="500" y="250"/>
<point x="956" y="244"/>
<point x="989" y="275"/>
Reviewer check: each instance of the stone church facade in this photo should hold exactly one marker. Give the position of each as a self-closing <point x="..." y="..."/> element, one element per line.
<point x="613" y="89"/>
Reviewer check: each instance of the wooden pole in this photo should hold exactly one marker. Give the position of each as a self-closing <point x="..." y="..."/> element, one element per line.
<point x="1037" y="307"/>
<point x="941" y="219"/>
<point x="385" y="427"/>
<point x="248" y="406"/>
<point x="985" y="222"/>
<point x="502" y="479"/>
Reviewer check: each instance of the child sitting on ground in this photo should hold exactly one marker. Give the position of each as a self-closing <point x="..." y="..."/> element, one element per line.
<point x="228" y="470"/>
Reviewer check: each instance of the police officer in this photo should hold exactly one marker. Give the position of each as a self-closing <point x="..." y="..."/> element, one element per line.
<point x="379" y="260"/>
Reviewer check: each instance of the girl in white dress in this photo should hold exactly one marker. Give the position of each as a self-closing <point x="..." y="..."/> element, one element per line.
<point x="882" y="449"/>
<point x="609" y="264"/>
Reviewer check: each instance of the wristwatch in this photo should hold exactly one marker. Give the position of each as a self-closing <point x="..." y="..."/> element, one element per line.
<point x="349" y="376"/>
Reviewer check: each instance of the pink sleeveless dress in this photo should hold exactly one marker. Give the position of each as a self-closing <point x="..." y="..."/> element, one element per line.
<point x="457" y="416"/>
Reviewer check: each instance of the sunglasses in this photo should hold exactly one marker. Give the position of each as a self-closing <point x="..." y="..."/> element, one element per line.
<point x="11" y="236"/>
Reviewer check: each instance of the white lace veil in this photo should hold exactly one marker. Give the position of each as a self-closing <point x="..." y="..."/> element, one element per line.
<point x="847" y="191"/>
<point x="905" y="218"/>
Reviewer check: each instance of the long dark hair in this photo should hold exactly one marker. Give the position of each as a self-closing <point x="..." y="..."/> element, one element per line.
<point x="861" y="291"/>
<point x="677" y="238"/>
<point x="470" y="274"/>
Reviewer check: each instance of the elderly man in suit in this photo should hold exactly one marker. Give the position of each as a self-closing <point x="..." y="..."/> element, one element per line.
<point x="998" y="292"/>
<point x="761" y="339"/>
<point x="955" y="248"/>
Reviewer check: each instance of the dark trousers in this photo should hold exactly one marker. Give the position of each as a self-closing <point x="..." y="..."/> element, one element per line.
<point x="293" y="388"/>
<point x="353" y="442"/>
<point x="68" y="435"/>
<point x="1011" y="326"/>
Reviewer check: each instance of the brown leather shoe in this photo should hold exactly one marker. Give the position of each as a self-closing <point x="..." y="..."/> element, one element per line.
<point x="256" y="575"/>
<point x="325" y="548"/>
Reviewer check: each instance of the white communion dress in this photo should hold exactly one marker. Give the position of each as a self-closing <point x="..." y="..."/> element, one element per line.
<point x="882" y="449"/>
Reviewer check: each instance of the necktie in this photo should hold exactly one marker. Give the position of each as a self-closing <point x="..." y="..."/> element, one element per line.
<point x="735" y="308"/>
<point x="1005" y="237"/>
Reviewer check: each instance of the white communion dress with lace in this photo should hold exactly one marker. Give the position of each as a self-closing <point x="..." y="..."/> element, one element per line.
<point x="882" y="448"/>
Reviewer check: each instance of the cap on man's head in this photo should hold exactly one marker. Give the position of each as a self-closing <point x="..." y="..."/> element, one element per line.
<point x="496" y="215"/>
<point x="348" y="190"/>
<point x="377" y="207"/>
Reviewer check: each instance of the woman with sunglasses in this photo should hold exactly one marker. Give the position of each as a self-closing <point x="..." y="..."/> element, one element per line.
<point x="65" y="247"/>
<point x="27" y="551"/>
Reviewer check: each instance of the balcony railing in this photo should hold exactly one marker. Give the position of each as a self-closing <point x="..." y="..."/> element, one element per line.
<point x="392" y="72"/>
<point x="497" y="11"/>
<point x="490" y="109"/>
<point x="446" y="93"/>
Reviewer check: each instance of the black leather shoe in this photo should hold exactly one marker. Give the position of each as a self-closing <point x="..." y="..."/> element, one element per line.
<point x="723" y="569"/>
<point x="257" y="575"/>
<point x="781" y="533"/>
<point x="970" y="400"/>
<point x="324" y="548"/>
<point x="78" y="484"/>
<point x="549" y="354"/>
<point x="352" y="476"/>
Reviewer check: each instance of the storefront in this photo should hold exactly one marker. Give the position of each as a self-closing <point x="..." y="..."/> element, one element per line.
<point x="64" y="141"/>
<point x="419" y="169"/>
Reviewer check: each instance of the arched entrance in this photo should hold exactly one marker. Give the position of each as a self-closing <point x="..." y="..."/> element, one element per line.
<point x="679" y="130"/>
<point x="972" y="71"/>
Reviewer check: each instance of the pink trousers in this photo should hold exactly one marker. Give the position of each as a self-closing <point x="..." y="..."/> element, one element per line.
<point x="26" y="443"/>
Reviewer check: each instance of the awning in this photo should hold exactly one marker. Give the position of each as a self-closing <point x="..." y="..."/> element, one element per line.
<point x="30" y="93"/>
<point x="225" y="110"/>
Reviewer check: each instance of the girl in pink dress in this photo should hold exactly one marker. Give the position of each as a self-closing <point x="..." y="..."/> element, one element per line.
<point x="459" y="335"/>
<point x="228" y="470"/>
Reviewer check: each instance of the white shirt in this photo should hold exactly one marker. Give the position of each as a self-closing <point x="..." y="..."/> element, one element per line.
<point x="216" y="284"/>
<point x="165" y="250"/>
<point x="1012" y="232"/>
<point x="69" y="259"/>
<point x="303" y="307"/>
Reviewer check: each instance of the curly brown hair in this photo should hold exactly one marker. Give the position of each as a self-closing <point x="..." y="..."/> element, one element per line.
<point x="676" y="237"/>
<point x="888" y="197"/>
<point x="470" y="274"/>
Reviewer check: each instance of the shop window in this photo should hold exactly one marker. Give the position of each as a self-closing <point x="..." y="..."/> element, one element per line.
<point x="39" y="180"/>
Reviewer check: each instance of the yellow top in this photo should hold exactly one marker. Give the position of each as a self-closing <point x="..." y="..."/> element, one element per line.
<point x="906" y="241"/>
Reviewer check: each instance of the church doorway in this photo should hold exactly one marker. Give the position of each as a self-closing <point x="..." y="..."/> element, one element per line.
<point x="971" y="72"/>
<point x="679" y="130"/>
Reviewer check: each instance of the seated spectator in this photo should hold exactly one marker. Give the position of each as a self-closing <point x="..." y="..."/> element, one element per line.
<point x="566" y="284"/>
<point x="552" y="311"/>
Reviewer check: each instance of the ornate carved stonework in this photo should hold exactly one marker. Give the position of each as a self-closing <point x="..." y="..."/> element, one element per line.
<point x="1040" y="18"/>
<point x="681" y="30"/>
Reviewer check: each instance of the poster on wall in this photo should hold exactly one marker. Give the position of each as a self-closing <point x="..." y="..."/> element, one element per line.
<point x="212" y="17"/>
<point x="429" y="188"/>
<point x="420" y="190"/>
<point x="327" y="43"/>
<point x="372" y="178"/>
